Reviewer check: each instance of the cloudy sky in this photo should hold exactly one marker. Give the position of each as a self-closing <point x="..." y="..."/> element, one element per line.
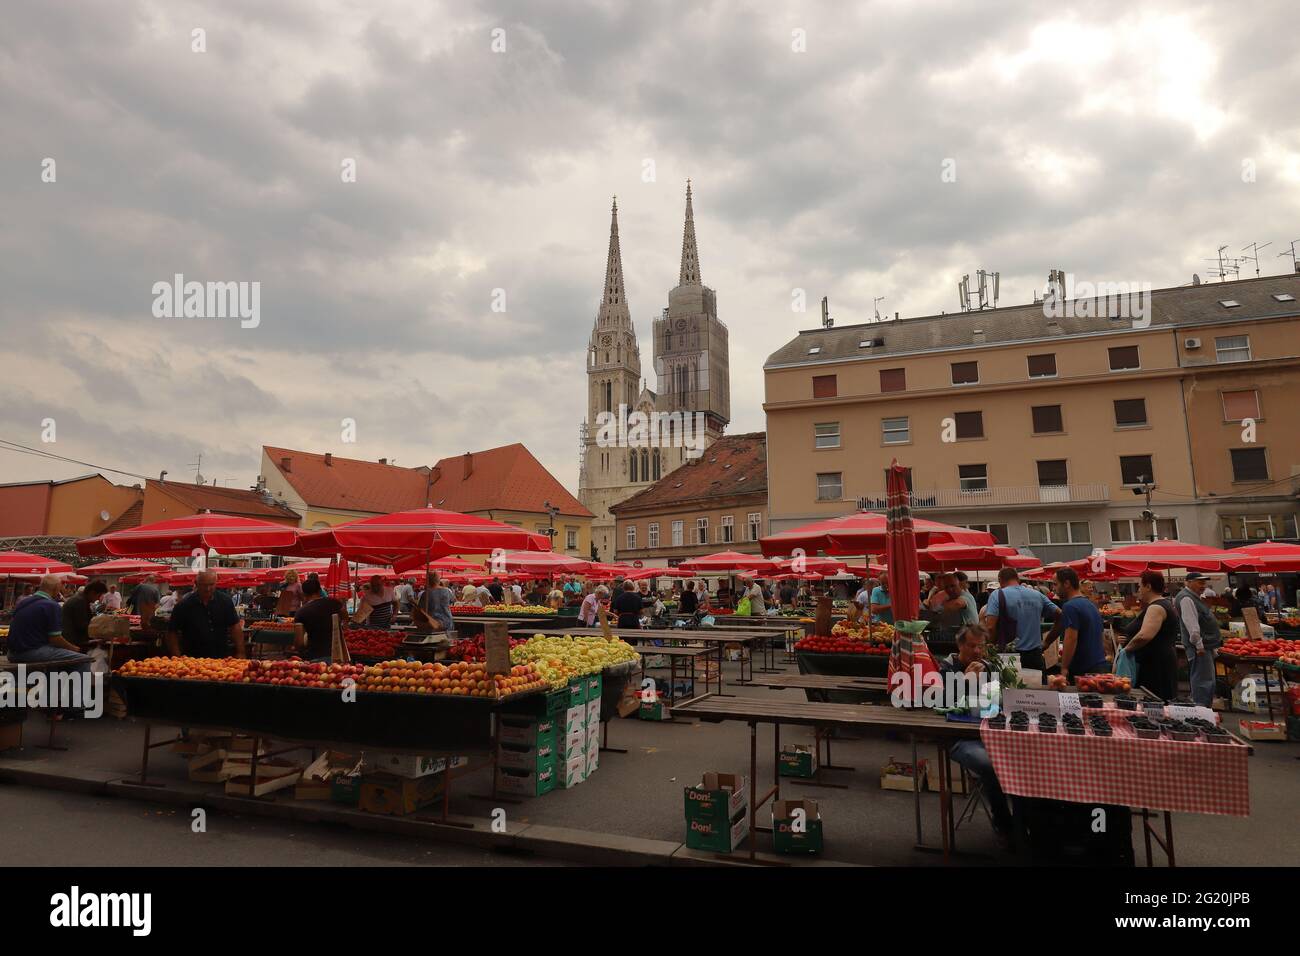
<point x="1118" y="141"/>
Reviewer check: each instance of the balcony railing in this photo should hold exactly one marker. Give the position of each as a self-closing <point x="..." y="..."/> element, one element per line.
<point x="954" y="498"/>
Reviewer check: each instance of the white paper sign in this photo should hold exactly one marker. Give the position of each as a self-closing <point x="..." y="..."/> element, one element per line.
<point x="1070" y="703"/>
<point x="1182" y="712"/>
<point x="1032" y="702"/>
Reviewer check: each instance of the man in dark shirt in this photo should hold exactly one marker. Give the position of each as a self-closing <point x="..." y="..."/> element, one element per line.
<point x="36" y="630"/>
<point x="204" y="623"/>
<point x="496" y="590"/>
<point x="144" y="599"/>
<point x="317" y="618"/>
<point x="1082" y="652"/>
<point x="690" y="600"/>
<point x="77" y="613"/>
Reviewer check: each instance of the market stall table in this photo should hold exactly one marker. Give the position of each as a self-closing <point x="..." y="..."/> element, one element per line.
<point x="1170" y="776"/>
<point x="690" y="654"/>
<point x="920" y="725"/>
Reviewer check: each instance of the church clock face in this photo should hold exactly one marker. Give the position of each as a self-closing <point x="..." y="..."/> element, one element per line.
<point x="605" y="341"/>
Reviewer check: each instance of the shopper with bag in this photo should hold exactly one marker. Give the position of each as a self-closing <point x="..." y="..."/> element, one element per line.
<point x="1152" y="640"/>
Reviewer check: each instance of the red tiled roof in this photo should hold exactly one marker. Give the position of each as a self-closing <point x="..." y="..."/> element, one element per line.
<point x="732" y="465"/>
<point x="349" y="484"/>
<point x="231" y="501"/>
<point x="129" y="518"/>
<point x="508" y="478"/>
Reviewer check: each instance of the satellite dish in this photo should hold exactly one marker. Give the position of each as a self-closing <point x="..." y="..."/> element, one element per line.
<point x="104" y="516"/>
<point x="199" y="479"/>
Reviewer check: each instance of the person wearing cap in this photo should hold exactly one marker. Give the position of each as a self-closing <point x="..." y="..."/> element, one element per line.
<point x="1201" y="636"/>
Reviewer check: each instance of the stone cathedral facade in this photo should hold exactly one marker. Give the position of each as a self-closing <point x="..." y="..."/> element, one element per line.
<point x="693" y="390"/>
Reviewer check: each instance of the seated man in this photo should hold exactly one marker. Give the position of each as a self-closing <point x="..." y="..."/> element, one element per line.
<point x="36" y="630"/>
<point x="969" y="658"/>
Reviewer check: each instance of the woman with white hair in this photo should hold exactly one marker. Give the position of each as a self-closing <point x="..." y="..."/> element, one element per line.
<point x="589" y="612"/>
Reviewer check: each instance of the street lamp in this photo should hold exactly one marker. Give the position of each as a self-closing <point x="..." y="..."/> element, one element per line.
<point x="1145" y="487"/>
<point x="551" y="512"/>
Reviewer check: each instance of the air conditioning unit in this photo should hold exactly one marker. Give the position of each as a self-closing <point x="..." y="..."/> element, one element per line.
<point x="1191" y="343"/>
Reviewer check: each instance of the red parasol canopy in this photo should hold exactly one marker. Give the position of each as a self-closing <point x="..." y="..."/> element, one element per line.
<point x="642" y="574"/>
<point x="809" y="567"/>
<point x="729" y="562"/>
<point x="410" y="539"/>
<point x="225" y="534"/>
<point x="123" y="566"/>
<point x="22" y="564"/>
<point x="863" y="533"/>
<point x="598" y="571"/>
<point x="536" y="562"/>
<point x="900" y="549"/>
<point x="226" y="577"/>
<point x="1273" y="556"/>
<point x="1164" y="554"/>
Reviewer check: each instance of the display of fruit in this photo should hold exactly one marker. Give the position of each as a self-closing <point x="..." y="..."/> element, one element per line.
<point x="460" y="679"/>
<point x="841" y="645"/>
<point x="1103" y="684"/>
<point x="271" y="626"/>
<point x="880" y="633"/>
<point x="372" y="643"/>
<point x="463" y="609"/>
<point x="474" y="648"/>
<point x="559" y="659"/>
<point x="297" y="673"/>
<point x="187" y="668"/>
<point x="1057" y="682"/>
<point x="1271" y="649"/>
<point x="516" y="609"/>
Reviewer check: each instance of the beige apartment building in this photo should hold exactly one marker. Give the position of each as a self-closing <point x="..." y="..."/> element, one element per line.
<point x="1040" y="429"/>
<point x="717" y="502"/>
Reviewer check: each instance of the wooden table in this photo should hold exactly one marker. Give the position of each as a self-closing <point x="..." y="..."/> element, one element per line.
<point x="709" y="636"/>
<point x="919" y="725"/>
<point x="673" y="653"/>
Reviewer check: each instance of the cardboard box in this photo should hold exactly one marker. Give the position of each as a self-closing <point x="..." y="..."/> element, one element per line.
<point x="659" y="710"/>
<point x="955" y="785"/>
<point x="798" y="760"/>
<point x="399" y="796"/>
<point x="593" y="761"/>
<point x="529" y="731"/>
<point x="717" y="798"/>
<point x="1262" y="729"/>
<point x="899" y="775"/>
<point x="595" y="687"/>
<point x="722" y="836"/>
<point x="533" y="783"/>
<point x="570" y="744"/>
<point x="109" y="627"/>
<point x="575" y="718"/>
<point x="346" y="789"/>
<point x="528" y="759"/>
<point x="210" y="767"/>
<point x="593" y="713"/>
<point x="272" y="775"/>
<point x="575" y="770"/>
<point x="593" y="737"/>
<point x="410" y="766"/>
<point x="577" y="692"/>
<point x="792" y="835"/>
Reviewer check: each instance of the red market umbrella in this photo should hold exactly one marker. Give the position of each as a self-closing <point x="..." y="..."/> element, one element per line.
<point x="225" y="534"/>
<point x="67" y="577"/>
<point x="1162" y="555"/>
<point x="642" y="574"/>
<point x="863" y="533"/>
<point x="809" y="567"/>
<point x="1275" y="556"/>
<point x="597" y="571"/>
<point x="408" y="539"/>
<point x="965" y="557"/>
<point x="900" y="550"/>
<point x="22" y="564"/>
<point x="123" y="566"/>
<point x="536" y="562"/>
<point x="730" y="562"/>
<point x="226" y="577"/>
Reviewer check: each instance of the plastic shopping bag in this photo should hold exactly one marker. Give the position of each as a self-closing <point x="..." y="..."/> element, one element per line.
<point x="1126" y="665"/>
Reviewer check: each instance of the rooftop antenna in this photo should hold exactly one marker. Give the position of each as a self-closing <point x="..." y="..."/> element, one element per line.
<point x="1254" y="247"/>
<point x="876" y="305"/>
<point x="1228" y="266"/>
<point x="827" y="321"/>
<point x="1295" y="264"/>
<point x="986" y="290"/>
<point x="196" y="465"/>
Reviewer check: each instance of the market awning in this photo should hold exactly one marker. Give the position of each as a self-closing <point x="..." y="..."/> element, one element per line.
<point x="536" y="562"/>
<point x="863" y="533"/>
<point x="730" y="562"/>
<point x="1163" y="555"/>
<point x="123" y="566"/>
<point x="1275" y="556"/>
<point x="176" y="537"/>
<point x="22" y="564"/>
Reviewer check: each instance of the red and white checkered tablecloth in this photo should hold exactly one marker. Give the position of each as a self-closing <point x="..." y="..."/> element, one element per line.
<point x="1180" y="776"/>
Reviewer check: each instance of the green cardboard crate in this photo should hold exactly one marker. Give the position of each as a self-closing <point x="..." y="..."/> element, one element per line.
<point x="577" y="693"/>
<point x="797" y="760"/>
<point x="527" y="731"/>
<point x="526" y="783"/>
<point x="785" y="837"/>
<point x="659" y="710"/>
<point x="346" y="789"/>
<point x="720" y="836"/>
<point x="595" y="687"/>
<point x="519" y="757"/>
<point x="717" y="798"/>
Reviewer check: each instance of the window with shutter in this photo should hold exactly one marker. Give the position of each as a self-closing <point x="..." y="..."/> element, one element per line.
<point x="1124" y="357"/>
<point x="893" y="380"/>
<point x="1241" y="404"/>
<point x="1130" y="412"/>
<point x="1047" y="419"/>
<point x="969" y="424"/>
<point x="824" y="386"/>
<point x="1135" y="469"/>
<point x="965" y="373"/>
<point x="1052" y="473"/>
<point x="1042" y="366"/>
<point x="1249" y="464"/>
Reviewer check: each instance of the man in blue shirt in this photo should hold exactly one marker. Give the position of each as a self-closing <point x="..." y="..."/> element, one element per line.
<point x="880" y="603"/>
<point x="1020" y="610"/>
<point x="36" y="630"/>
<point x="1083" y="652"/>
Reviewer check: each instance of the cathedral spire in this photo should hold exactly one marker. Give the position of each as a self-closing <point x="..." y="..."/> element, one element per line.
<point x="690" y="274"/>
<point x="613" y="304"/>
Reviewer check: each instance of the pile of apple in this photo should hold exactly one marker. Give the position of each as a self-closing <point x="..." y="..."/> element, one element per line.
<point x="474" y="648"/>
<point x="461" y="679"/>
<point x="457" y="609"/>
<point x="558" y="659"/>
<point x="372" y="643"/>
<point x="229" y="669"/>
<point x="297" y="673"/>
<point x="271" y="626"/>
<point x="516" y="609"/>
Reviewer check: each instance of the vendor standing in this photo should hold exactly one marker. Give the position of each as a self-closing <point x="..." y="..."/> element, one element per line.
<point x="379" y="598"/>
<point x="881" y="606"/>
<point x="77" y="614"/>
<point x="317" y="619"/>
<point x="434" y="604"/>
<point x="205" y="623"/>
<point x="144" y="600"/>
<point x="290" y="599"/>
